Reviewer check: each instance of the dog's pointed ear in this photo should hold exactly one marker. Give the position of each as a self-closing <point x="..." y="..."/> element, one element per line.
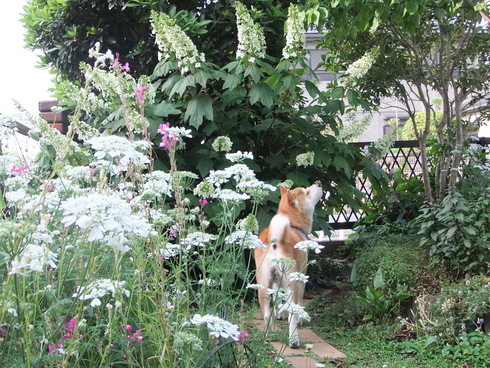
<point x="283" y="190"/>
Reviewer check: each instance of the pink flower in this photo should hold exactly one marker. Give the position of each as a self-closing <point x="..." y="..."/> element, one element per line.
<point x="242" y="336"/>
<point x="118" y="65"/>
<point x="203" y="202"/>
<point x="168" y="138"/>
<point x="129" y="328"/>
<point x="136" y="336"/>
<point x="19" y="170"/>
<point x="140" y="91"/>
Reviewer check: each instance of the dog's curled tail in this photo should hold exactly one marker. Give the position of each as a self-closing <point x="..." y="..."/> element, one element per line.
<point x="277" y="229"/>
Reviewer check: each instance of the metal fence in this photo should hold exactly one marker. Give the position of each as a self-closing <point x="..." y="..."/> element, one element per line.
<point x="405" y="156"/>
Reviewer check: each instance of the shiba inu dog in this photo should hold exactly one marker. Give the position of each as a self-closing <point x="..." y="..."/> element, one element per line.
<point x="280" y="259"/>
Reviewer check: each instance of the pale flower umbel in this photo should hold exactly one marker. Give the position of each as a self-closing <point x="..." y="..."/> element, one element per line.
<point x="309" y="245"/>
<point x="218" y="327"/>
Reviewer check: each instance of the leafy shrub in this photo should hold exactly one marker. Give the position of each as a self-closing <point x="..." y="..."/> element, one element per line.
<point x="457" y="233"/>
<point x="399" y="256"/>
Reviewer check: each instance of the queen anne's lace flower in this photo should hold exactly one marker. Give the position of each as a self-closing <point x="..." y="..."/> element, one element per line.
<point x="309" y="244"/>
<point x="103" y="216"/>
<point x="295" y="36"/>
<point x="239" y="156"/>
<point x="251" y="40"/>
<point x="118" y="147"/>
<point x="222" y="144"/>
<point x="245" y="238"/>
<point x="218" y="327"/>
<point x="294" y="309"/>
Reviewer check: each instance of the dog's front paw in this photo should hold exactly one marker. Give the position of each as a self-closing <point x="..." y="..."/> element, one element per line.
<point x="294" y="344"/>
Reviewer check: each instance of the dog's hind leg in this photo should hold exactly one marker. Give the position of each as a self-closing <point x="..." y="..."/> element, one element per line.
<point x="265" y="306"/>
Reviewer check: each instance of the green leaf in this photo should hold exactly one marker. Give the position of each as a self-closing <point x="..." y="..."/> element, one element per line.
<point x="254" y="72"/>
<point x="261" y="92"/>
<point x="182" y="85"/>
<point x="379" y="280"/>
<point x="451" y="232"/>
<point x="312" y="89"/>
<point x="231" y="81"/>
<point x="201" y="106"/>
<point x="166" y="108"/>
<point x="411" y="7"/>
<point x="341" y="164"/>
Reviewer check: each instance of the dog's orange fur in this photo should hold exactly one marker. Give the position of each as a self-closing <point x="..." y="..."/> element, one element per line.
<point x="287" y="228"/>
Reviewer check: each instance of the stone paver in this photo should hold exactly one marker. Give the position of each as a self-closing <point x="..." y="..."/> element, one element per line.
<point x="300" y="358"/>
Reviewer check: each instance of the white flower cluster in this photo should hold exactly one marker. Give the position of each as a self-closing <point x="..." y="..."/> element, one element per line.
<point x="360" y="67"/>
<point x="173" y="42"/>
<point x="298" y="276"/>
<point x="119" y="148"/>
<point x="222" y="144"/>
<point x="32" y="258"/>
<point x="105" y="216"/>
<point x="157" y="185"/>
<point x="218" y="327"/>
<point x="245" y="239"/>
<point x="100" y="288"/>
<point x="197" y="239"/>
<point x="305" y="159"/>
<point x="295" y="36"/>
<point x="100" y="58"/>
<point x="309" y="245"/>
<point x="239" y="156"/>
<point x="251" y="40"/>
<point x="294" y="309"/>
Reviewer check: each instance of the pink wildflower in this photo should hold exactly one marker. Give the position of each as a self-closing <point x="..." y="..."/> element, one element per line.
<point x="19" y="170"/>
<point x="118" y="65"/>
<point x="136" y="336"/>
<point x="140" y="91"/>
<point x="203" y="202"/>
<point x="168" y="138"/>
<point x="242" y="336"/>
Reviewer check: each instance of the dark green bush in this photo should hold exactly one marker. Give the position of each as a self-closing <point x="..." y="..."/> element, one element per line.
<point x="402" y="261"/>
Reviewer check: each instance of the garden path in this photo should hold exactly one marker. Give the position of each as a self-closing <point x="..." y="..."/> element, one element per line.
<point x="303" y="358"/>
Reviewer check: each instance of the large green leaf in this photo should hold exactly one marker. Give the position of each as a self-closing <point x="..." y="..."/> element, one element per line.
<point x="261" y="92"/>
<point x="201" y="106"/>
<point x="166" y="108"/>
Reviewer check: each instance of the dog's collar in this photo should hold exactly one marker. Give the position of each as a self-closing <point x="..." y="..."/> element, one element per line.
<point x="301" y="231"/>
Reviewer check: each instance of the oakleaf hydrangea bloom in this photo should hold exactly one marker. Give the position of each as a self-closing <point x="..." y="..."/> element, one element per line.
<point x="174" y="43"/>
<point x="359" y="68"/>
<point x="251" y="40"/>
<point x="305" y="159"/>
<point x="298" y="276"/>
<point x="218" y="327"/>
<point x="306" y="245"/>
<point x="118" y="147"/>
<point x="103" y="215"/>
<point x="100" y="288"/>
<point x="294" y="309"/>
<point x="222" y="144"/>
<point x="32" y="258"/>
<point x="245" y="239"/>
<point x="295" y="36"/>
<point x="239" y="156"/>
